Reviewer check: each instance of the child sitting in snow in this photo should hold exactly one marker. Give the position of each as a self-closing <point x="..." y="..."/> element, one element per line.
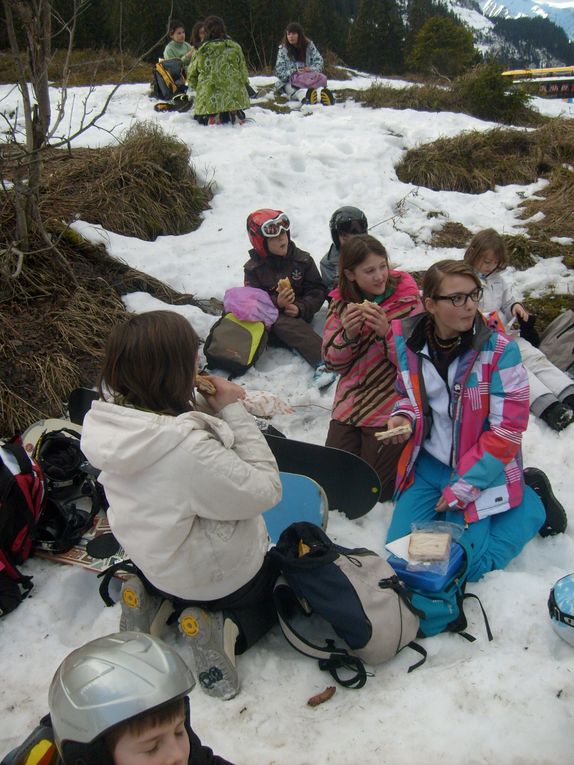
<point x="345" y="222"/>
<point x="293" y="282"/>
<point x="551" y="390"/>
<point x="177" y="47"/>
<point x="121" y="699"/>
<point x="187" y="491"/>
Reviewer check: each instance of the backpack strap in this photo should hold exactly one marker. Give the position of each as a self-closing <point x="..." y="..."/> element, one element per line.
<point x="485" y="617"/>
<point x="331" y="658"/>
<point x="106" y="576"/>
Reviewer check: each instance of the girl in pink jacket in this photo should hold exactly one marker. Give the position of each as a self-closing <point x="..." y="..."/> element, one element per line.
<point x="356" y="345"/>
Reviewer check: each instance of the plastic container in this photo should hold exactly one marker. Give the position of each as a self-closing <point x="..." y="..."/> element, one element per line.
<point x="430" y="581"/>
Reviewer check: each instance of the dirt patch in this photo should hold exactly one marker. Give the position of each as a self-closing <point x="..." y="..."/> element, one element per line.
<point x="451" y="235"/>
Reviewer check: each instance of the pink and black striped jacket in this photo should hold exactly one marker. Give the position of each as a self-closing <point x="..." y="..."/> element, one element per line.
<point x="366" y="390"/>
<point x="490" y="406"/>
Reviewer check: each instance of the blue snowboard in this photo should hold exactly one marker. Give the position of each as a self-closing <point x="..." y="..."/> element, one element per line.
<point x="303" y="500"/>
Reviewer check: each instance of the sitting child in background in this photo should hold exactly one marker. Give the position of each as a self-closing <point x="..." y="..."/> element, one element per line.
<point x="551" y="390"/>
<point x="298" y="55"/>
<point x="293" y="282"/>
<point x="356" y="342"/>
<point x="197" y="36"/>
<point x="177" y="47"/>
<point x="187" y="493"/>
<point x="345" y="222"/>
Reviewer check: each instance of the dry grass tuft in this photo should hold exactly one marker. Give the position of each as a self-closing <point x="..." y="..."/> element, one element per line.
<point x="548" y="307"/>
<point x="475" y="162"/>
<point x="143" y="187"/>
<point x="557" y="204"/>
<point x="451" y="235"/>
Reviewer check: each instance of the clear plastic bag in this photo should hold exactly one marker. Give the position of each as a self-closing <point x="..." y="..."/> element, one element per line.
<point x="437" y="556"/>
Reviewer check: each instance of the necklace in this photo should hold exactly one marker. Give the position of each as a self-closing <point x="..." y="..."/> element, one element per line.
<point x="447" y="345"/>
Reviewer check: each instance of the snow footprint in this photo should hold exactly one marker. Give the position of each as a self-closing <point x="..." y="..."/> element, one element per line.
<point x="297" y="163"/>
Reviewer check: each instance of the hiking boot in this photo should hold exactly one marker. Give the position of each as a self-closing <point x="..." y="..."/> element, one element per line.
<point x="311" y="96"/>
<point x="327" y="97"/>
<point x="556" y="519"/>
<point x="323" y="377"/>
<point x="142" y="611"/>
<point x="558" y="415"/>
<point x="211" y="637"/>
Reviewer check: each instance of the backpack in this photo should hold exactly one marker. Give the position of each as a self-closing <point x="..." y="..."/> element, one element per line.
<point x="73" y="496"/>
<point x="353" y="593"/>
<point x="557" y="342"/>
<point x="234" y="345"/>
<point x="21" y="504"/>
<point x="168" y="80"/>
<point x="39" y="748"/>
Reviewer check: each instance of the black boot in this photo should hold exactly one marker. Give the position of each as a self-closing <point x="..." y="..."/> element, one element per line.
<point x="556" y="519"/>
<point x="558" y="415"/>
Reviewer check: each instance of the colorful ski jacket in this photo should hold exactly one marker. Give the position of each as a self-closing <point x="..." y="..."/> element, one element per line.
<point x="218" y="74"/>
<point x="366" y="389"/>
<point x="299" y="267"/>
<point x="489" y="412"/>
<point x="285" y="66"/>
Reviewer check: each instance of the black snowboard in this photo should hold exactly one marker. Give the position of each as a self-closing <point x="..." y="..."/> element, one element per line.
<point x="351" y="484"/>
<point x="79" y="404"/>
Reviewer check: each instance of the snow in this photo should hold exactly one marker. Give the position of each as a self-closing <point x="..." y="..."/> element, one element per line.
<point x="509" y="701"/>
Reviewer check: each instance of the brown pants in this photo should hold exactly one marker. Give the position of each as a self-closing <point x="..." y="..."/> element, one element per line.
<point x="362" y="442"/>
<point x="296" y="334"/>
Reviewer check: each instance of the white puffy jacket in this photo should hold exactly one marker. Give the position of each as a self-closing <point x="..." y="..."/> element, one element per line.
<point x="186" y="494"/>
<point x="497" y="296"/>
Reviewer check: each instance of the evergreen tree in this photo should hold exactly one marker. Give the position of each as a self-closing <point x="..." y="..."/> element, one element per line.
<point x="444" y="46"/>
<point x="376" y="38"/>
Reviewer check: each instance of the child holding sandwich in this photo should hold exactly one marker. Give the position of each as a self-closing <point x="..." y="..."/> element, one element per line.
<point x="356" y="345"/>
<point x="292" y="280"/>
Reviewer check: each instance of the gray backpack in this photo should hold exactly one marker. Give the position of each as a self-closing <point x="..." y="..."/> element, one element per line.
<point x="341" y="606"/>
<point x="557" y="342"/>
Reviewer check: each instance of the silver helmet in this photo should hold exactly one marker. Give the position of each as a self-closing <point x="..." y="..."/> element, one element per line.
<point x="107" y="681"/>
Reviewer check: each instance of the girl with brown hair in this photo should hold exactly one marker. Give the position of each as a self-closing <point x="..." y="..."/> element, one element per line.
<point x="187" y="490"/>
<point x="298" y="57"/>
<point x="356" y="345"/>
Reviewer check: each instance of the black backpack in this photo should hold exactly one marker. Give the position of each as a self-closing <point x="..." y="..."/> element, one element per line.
<point x="22" y="501"/>
<point x="234" y="345"/>
<point x="168" y="80"/>
<point x="73" y="496"/>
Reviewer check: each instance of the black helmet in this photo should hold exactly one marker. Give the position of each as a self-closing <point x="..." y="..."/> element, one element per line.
<point x="107" y="681"/>
<point x="347" y="220"/>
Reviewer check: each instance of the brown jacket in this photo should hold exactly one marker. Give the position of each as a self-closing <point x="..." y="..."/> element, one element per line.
<point x="299" y="267"/>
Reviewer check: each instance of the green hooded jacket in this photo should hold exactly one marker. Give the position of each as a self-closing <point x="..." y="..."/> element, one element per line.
<point x="218" y="74"/>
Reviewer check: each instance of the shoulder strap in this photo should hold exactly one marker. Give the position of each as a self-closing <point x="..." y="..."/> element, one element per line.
<point x="331" y="658"/>
<point x="106" y="576"/>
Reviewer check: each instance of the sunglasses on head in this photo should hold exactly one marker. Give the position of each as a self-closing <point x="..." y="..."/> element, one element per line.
<point x="351" y="227"/>
<point x="275" y="226"/>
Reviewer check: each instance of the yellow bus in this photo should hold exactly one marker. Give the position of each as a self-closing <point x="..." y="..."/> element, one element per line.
<point x="552" y="82"/>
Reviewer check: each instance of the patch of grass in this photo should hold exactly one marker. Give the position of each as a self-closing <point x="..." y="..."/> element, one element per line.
<point x="557" y="205"/>
<point x="145" y="186"/>
<point x="475" y="162"/>
<point x="451" y="235"/>
<point x="88" y="67"/>
<point x="481" y="93"/>
<point x="521" y="252"/>
<point x="548" y="307"/>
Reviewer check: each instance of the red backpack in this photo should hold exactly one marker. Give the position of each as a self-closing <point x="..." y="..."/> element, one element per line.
<point x="21" y="503"/>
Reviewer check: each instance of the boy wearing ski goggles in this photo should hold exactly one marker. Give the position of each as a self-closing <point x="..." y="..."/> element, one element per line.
<point x="275" y="226"/>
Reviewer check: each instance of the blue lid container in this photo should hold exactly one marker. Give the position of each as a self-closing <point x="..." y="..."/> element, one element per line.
<point x="429" y="581"/>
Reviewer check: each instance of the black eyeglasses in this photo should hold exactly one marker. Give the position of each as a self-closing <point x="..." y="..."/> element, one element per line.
<point x="460" y="298"/>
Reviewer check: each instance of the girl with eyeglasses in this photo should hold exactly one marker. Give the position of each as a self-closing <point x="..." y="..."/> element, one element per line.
<point x="551" y="389"/>
<point x="292" y="280"/>
<point x="464" y="393"/>
<point x="356" y="344"/>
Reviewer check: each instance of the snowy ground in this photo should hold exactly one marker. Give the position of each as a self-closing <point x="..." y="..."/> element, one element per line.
<point x="509" y="702"/>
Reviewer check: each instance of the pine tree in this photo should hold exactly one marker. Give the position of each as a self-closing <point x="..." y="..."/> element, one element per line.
<point x="376" y="37"/>
<point x="444" y="46"/>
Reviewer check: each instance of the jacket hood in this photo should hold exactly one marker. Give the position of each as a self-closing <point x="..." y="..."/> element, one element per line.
<point x="123" y="440"/>
<point x="415" y="335"/>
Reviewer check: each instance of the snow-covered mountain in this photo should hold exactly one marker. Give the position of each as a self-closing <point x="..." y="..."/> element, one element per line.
<point x="560" y="12"/>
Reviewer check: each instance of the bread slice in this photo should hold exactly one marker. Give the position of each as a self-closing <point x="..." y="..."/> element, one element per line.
<point x="429" y="545"/>
<point x="284" y="284"/>
<point x="204" y="385"/>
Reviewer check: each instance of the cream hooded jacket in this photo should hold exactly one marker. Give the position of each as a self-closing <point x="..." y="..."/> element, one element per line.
<point x="186" y="494"/>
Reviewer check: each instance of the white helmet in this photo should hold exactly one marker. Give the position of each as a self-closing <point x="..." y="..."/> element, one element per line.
<point x="107" y="681"/>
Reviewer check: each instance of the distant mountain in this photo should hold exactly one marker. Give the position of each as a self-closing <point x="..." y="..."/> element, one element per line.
<point x="560" y="12"/>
